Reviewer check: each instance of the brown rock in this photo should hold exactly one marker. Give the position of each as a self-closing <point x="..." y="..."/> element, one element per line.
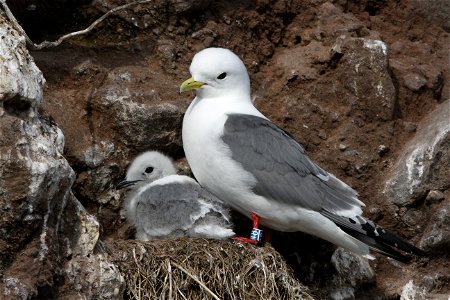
<point x="300" y="60"/>
<point x="435" y="11"/>
<point x="121" y="118"/>
<point x="366" y="76"/>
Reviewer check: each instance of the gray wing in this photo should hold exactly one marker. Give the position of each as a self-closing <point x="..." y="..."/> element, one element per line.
<point x="281" y="167"/>
<point x="163" y="209"/>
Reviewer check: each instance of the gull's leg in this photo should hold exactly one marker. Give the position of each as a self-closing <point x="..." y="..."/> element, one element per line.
<point x="255" y="219"/>
<point x="256" y="234"/>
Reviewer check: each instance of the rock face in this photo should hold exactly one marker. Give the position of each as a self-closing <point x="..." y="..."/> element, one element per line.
<point x="363" y="85"/>
<point x="43" y="228"/>
<point x="35" y="178"/>
<point x="21" y="81"/>
<point x="120" y="116"/>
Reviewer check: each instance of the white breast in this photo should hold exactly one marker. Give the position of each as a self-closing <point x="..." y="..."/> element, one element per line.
<point x="210" y="159"/>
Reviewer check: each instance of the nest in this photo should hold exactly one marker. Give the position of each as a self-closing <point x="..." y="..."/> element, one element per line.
<point x="192" y="268"/>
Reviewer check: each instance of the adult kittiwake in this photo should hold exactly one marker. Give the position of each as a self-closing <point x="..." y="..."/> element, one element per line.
<point x="260" y="170"/>
<point x="161" y="204"/>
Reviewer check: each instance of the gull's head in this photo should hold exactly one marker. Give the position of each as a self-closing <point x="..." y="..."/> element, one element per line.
<point x="215" y="72"/>
<point x="147" y="167"/>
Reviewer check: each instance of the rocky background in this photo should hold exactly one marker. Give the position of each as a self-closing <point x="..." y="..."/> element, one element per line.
<point x="363" y="85"/>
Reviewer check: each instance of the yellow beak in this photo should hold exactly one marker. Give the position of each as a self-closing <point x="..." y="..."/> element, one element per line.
<point x="190" y="84"/>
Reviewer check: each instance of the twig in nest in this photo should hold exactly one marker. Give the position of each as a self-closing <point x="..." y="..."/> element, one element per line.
<point x="169" y="270"/>
<point x="182" y="295"/>
<point x="196" y="280"/>
<point x="138" y="269"/>
<point x="47" y="44"/>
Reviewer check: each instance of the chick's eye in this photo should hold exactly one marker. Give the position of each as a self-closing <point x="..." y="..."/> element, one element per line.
<point x="222" y="76"/>
<point x="148" y="170"/>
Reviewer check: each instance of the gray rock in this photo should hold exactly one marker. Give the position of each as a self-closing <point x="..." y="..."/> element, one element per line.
<point x="35" y="182"/>
<point x="413" y="217"/>
<point x="13" y="288"/>
<point x="425" y="162"/>
<point x="342" y="147"/>
<point x="21" y="81"/>
<point x="95" y="155"/>
<point x="344" y="293"/>
<point x="434" y="197"/>
<point x="436" y="282"/>
<point x="414" y="81"/>
<point x="89" y="274"/>
<point x="412" y="292"/>
<point x="181" y="6"/>
<point x="351" y="271"/>
<point x="144" y="126"/>
<point x="437" y="237"/>
<point x="410" y="127"/>
<point x="97" y="184"/>
<point x="35" y="178"/>
<point x="383" y="149"/>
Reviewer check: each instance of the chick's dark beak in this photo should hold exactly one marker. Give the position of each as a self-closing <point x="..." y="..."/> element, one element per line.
<point x="126" y="183"/>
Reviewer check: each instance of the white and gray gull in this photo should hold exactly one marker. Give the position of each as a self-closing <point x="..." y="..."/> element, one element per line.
<point x="261" y="171"/>
<point x="161" y="204"/>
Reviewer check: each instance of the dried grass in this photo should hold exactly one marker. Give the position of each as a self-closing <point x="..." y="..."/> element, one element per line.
<point x="189" y="268"/>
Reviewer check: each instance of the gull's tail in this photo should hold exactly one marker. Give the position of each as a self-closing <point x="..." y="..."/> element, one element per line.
<point x="376" y="237"/>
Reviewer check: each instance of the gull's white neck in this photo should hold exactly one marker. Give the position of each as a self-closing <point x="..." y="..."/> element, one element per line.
<point x="216" y="107"/>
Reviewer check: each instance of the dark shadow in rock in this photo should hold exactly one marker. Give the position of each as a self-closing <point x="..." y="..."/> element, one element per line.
<point x="17" y="107"/>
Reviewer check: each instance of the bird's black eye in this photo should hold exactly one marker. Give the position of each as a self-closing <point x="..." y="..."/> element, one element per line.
<point x="148" y="170"/>
<point x="222" y="76"/>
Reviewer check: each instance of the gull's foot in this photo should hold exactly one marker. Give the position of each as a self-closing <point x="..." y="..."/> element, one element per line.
<point x="256" y="234"/>
<point x="245" y="240"/>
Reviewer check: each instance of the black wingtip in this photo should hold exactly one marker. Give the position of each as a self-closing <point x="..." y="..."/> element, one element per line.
<point x="377" y="238"/>
<point x="388" y="244"/>
<point x="395" y="241"/>
<point x="380" y="247"/>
